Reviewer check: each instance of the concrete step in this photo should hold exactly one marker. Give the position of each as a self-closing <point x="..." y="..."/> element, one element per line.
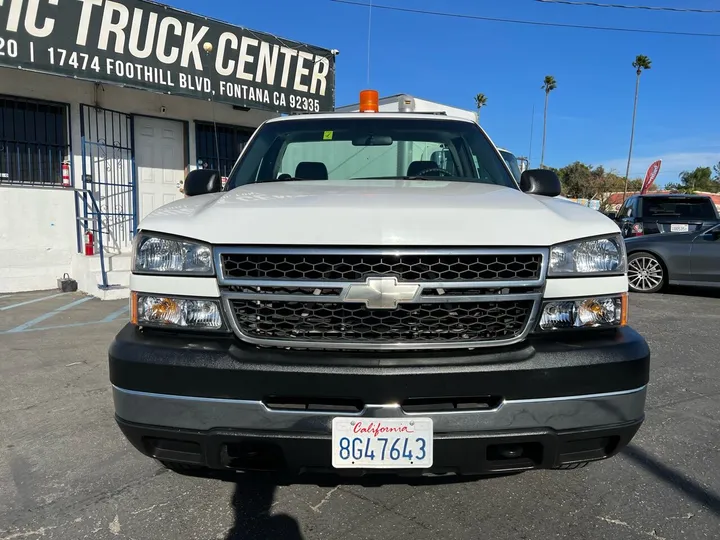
<point x="86" y="271"/>
<point x="119" y="293"/>
<point x="115" y="277"/>
<point x="112" y="262"/>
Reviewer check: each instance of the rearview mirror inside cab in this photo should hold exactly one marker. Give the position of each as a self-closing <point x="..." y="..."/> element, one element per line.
<point x="201" y="182"/>
<point x="540" y="182"/>
<point x="372" y="140"/>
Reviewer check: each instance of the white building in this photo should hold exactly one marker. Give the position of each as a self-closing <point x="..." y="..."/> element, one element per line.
<point x="408" y="103"/>
<point x="113" y="104"/>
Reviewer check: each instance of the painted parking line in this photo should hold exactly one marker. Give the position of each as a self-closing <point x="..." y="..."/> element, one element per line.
<point x="108" y="319"/>
<point x="12" y="306"/>
<point x="115" y="315"/>
<point x="47" y="315"/>
<point x="73" y="325"/>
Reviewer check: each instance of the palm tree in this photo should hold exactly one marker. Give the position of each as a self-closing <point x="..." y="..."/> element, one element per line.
<point x="641" y="63"/>
<point x="480" y="102"/>
<point x="549" y="84"/>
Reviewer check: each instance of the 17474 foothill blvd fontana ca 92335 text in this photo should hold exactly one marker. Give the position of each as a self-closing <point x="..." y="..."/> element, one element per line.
<point x="149" y="46"/>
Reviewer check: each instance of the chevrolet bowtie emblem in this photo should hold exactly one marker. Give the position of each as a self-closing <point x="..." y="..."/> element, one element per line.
<point x="381" y="292"/>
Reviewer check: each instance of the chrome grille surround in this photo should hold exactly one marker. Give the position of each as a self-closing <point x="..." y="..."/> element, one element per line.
<point x="331" y="296"/>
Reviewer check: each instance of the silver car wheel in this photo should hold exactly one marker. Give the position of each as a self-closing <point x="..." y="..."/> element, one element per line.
<point x="645" y="274"/>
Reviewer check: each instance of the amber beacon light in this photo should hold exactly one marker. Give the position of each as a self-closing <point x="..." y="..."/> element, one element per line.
<point x="369" y="101"/>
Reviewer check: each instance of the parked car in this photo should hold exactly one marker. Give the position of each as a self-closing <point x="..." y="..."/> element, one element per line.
<point x="665" y="213"/>
<point x="691" y="259"/>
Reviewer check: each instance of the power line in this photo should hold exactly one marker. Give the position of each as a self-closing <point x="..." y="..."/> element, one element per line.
<point x="526" y="22"/>
<point x="624" y="6"/>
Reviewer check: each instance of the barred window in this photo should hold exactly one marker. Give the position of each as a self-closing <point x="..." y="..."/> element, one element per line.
<point x="230" y="142"/>
<point x="33" y="141"/>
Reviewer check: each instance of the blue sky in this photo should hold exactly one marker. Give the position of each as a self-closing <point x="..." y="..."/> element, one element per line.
<point x="449" y="60"/>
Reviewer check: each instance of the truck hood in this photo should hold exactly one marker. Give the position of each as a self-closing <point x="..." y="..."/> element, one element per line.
<point x="377" y="213"/>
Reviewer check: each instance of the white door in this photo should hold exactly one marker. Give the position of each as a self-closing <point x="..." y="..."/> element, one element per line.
<point x="159" y="160"/>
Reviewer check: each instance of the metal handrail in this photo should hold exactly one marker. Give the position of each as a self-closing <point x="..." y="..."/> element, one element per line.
<point x="84" y="222"/>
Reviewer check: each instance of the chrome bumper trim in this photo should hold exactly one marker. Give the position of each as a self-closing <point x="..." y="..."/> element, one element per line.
<point x="197" y="413"/>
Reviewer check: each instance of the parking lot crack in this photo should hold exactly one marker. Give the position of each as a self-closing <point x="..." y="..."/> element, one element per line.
<point x="651" y="534"/>
<point x="316" y="508"/>
<point x="28" y="534"/>
<point x="392" y="510"/>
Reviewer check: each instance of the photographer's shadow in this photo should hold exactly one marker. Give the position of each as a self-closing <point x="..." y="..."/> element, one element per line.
<point x="252" y="505"/>
<point x="253" y="498"/>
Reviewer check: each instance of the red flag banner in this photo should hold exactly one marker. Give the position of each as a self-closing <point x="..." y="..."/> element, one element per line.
<point x="651" y="175"/>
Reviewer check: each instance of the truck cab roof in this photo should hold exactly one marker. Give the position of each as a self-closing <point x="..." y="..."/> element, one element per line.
<point x="360" y="115"/>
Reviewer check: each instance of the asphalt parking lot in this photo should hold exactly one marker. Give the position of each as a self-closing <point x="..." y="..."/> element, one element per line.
<point x="67" y="473"/>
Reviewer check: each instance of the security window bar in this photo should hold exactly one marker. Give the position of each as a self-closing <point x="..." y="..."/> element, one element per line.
<point x="108" y="169"/>
<point x="230" y="142"/>
<point x="34" y="141"/>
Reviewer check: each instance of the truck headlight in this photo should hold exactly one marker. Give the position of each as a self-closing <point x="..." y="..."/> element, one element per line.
<point x="604" y="255"/>
<point x="158" y="254"/>
<point x="601" y="312"/>
<point x="169" y="312"/>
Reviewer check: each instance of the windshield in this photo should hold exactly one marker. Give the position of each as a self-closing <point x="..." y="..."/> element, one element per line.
<point x="380" y="148"/>
<point x="511" y="161"/>
<point x="675" y="207"/>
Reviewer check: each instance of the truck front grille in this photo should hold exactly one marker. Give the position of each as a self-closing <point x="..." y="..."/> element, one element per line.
<point x="356" y="267"/>
<point x="412" y="323"/>
<point x="374" y="299"/>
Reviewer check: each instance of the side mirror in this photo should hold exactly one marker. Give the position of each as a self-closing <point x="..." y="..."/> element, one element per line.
<point x="540" y="182"/>
<point x="202" y="181"/>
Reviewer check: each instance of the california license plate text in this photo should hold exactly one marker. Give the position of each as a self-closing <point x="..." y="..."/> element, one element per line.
<point x="383" y="443"/>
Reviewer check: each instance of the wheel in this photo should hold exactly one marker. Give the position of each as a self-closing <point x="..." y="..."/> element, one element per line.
<point x="646" y="273"/>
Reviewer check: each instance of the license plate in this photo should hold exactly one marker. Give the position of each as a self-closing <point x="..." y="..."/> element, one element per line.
<point x="387" y="443"/>
<point x="679" y="227"/>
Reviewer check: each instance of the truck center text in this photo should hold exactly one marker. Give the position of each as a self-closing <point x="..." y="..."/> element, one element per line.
<point x="145" y="33"/>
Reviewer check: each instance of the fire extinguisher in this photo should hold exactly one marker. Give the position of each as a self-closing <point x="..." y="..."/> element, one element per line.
<point x="89" y="243"/>
<point x="66" y="173"/>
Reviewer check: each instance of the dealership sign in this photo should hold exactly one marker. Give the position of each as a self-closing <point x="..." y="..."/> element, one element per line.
<point x="145" y="45"/>
<point x="651" y="175"/>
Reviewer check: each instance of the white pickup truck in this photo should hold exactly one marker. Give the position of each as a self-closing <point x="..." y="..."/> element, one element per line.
<point x="346" y="304"/>
<point x="512" y="163"/>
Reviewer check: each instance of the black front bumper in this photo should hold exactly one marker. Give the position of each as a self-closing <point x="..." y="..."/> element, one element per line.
<point x="584" y="364"/>
<point x="297" y="453"/>
<point x="164" y="366"/>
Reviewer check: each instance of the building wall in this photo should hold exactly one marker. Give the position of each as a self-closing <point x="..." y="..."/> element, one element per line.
<point x="37" y="237"/>
<point x="37" y="227"/>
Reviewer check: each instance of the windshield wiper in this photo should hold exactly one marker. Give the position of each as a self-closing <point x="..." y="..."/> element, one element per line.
<point x="429" y="178"/>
